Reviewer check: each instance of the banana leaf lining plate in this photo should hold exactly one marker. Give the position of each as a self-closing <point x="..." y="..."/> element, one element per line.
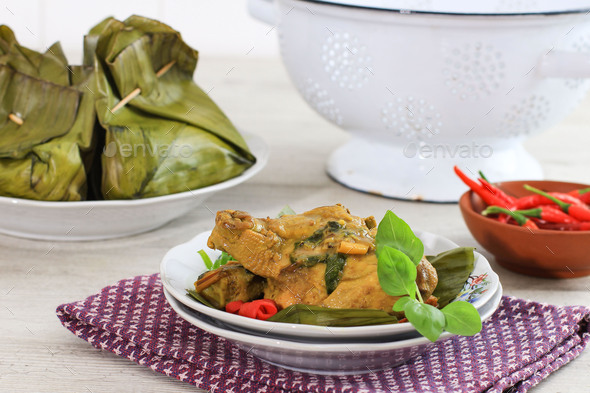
<point x="182" y="265"/>
<point x="95" y="220"/>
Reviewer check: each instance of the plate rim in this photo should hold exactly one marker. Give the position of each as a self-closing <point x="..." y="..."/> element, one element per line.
<point x="317" y="347"/>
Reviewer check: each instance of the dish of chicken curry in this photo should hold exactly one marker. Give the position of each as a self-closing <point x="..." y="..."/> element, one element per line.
<point x="323" y="257"/>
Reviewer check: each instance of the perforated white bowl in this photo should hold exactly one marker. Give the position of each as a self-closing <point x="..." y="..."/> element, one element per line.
<point x="423" y="89"/>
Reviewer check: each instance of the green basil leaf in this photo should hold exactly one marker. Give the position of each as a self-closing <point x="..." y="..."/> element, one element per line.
<point x="206" y="259"/>
<point x="396" y="272"/>
<point x="402" y="303"/>
<point x="429" y="321"/>
<point x="461" y="318"/>
<point x="394" y="232"/>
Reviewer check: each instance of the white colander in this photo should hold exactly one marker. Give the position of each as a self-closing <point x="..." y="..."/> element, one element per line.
<point x="444" y="83"/>
<point x="478" y="7"/>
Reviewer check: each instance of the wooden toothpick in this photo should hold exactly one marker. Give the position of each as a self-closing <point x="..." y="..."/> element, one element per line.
<point x="15" y="118"/>
<point x="137" y="91"/>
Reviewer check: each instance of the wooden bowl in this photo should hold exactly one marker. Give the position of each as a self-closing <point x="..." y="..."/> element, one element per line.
<point x="541" y="252"/>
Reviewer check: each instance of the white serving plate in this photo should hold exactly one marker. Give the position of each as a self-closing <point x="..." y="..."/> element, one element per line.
<point x="323" y="358"/>
<point x="182" y="265"/>
<point x="94" y="220"/>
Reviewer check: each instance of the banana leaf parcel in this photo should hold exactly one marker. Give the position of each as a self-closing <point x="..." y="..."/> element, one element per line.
<point x="45" y="157"/>
<point x="169" y="138"/>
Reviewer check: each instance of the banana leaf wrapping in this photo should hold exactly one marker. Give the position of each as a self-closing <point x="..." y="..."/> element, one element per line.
<point x="170" y="138"/>
<point x="45" y="158"/>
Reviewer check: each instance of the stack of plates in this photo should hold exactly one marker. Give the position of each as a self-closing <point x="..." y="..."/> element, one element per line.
<point x="316" y="349"/>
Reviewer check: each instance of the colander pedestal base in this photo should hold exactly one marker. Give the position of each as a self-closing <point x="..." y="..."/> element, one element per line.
<point x="425" y="172"/>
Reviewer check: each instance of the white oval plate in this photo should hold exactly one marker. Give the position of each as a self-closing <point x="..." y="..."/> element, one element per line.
<point x="329" y="358"/>
<point x="94" y="220"/>
<point x="182" y="265"/>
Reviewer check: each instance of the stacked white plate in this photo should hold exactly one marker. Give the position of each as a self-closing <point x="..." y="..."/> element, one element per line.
<point x="316" y="349"/>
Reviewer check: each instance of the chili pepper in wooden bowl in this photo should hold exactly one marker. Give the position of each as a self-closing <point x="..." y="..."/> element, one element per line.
<point x="480" y="190"/>
<point x="579" y="212"/>
<point x="521" y="219"/>
<point x="582" y="194"/>
<point x="557" y="250"/>
<point x="548" y="214"/>
<point x="531" y="201"/>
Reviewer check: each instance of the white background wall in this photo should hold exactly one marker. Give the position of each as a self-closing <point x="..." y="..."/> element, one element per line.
<point x="213" y="27"/>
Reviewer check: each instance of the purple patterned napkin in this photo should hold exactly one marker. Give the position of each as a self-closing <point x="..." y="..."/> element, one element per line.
<point x="521" y="344"/>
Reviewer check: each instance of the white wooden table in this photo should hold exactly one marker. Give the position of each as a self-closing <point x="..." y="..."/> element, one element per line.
<point x="38" y="355"/>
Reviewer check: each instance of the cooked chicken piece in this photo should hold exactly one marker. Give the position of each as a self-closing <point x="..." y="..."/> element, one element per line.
<point x="267" y="246"/>
<point x="232" y="282"/>
<point x="358" y="288"/>
<point x="299" y="285"/>
<point x="299" y="255"/>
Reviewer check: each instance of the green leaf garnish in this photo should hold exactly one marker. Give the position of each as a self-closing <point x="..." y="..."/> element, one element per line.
<point x="395" y="233"/>
<point x="206" y="259"/>
<point x="396" y="272"/>
<point x="461" y="318"/>
<point x="428" y="320"/>
<point x="286" y="211"/>
<point x="399" y="251"/>
<point x="220" y="261"/>
<point x="402" y="303"/>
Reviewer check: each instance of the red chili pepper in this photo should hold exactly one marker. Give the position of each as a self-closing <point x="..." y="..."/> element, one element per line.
<point x="567" y="198"/>
<point x="259" y="309"/>
<point x="234" y="307"/>
<point x="508" y="199"/>
<point x="267" y="309"/>
<point x="582" y="194"/>
<point x="484" y="194"/>
<point x="519" y="218"/>
<point x="549" y="214"/>
<point x="578" y="226"/>
<point x="579" y="212"/>
<point x="531" y="201"/>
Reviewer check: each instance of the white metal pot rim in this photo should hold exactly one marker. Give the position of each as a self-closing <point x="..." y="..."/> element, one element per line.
<point x="407" y="11"/>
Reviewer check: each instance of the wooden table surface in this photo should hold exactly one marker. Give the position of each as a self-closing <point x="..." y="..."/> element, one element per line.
<point x="37" y="354"/>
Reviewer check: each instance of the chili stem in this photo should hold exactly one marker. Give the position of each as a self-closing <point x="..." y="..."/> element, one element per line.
<point x="483" y="176"/>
